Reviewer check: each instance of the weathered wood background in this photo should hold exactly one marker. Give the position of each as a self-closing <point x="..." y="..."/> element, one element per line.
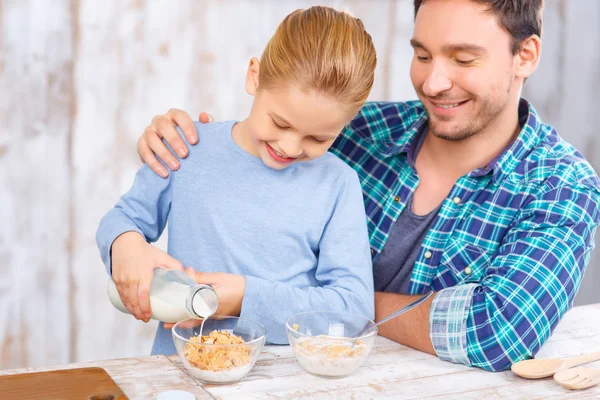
<point x="79" y="80"/>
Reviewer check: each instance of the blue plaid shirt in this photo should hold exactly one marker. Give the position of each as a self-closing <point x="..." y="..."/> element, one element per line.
<point x="508" y="249"/>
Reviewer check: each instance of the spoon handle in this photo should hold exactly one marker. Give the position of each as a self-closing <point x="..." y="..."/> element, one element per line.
<point x="405" y="309"/>
<point x="400" y="311"/>
<point x="579" y="360"/>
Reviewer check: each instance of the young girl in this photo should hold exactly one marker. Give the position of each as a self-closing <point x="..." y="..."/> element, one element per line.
<point x="260" y="209"/>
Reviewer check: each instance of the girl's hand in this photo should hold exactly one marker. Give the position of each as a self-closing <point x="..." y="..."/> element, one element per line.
<point x="229" y="287"/>
<point x="133" y="263"/>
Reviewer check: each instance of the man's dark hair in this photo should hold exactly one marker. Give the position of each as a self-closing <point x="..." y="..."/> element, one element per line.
<point x="521" y="18"/>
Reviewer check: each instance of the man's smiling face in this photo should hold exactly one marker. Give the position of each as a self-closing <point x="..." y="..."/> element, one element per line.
<point x="463" y="68"/>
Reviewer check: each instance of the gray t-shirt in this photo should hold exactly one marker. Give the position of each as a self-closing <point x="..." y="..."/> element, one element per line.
<point x="394" y="266"/>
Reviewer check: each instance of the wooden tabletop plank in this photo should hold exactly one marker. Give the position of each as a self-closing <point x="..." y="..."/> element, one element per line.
<point x="392" y="370"/>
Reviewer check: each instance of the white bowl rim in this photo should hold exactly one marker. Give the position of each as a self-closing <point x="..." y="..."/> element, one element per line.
<point x="253" y="341"/>
<point x="374" y="330"/>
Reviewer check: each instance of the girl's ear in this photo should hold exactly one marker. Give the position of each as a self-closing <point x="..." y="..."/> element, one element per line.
<point x="252" y="76"/>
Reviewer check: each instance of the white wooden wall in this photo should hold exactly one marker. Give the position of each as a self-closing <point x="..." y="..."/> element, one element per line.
<point x="79" y="80"/>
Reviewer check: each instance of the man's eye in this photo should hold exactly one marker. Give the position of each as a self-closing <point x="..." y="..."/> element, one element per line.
<point x="464" y="62"/>
<point x="422" y="58"/>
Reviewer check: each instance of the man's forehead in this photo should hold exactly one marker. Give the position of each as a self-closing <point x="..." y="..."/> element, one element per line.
<point x="454" y="14"/>
<point x="456" y="23"/>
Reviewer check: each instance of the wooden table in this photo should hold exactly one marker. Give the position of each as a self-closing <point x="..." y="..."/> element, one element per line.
<point x="392" y="370"/>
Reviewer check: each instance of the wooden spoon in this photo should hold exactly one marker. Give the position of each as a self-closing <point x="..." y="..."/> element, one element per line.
<point x="577" y="378"/>
<point x="545" y="367"/>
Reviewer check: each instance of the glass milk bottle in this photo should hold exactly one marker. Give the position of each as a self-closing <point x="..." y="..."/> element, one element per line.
<point x="174" y="297"/>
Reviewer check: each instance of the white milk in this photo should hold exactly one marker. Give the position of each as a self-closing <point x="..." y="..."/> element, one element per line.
<point x="174" y="297"/>
<point x="318" y="359"/>
<point x="225" y="376"/>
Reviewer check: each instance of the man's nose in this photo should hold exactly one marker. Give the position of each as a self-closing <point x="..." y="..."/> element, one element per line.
<point x="438" y="79"/>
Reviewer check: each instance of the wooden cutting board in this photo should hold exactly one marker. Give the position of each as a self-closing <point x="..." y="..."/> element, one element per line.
<point x="79" y="383"/>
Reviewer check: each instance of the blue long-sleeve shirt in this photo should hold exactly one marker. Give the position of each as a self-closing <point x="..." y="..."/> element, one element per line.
<point x="299" y="235"/>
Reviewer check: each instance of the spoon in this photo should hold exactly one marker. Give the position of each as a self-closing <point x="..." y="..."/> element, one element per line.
<point x="394" y="315"/>
<point x="577" y="378"/>
<point x="545" y="367"/>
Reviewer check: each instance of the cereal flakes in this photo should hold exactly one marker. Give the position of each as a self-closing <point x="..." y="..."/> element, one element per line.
<point x="214" y="357"/>
<point x="332" y="349"/>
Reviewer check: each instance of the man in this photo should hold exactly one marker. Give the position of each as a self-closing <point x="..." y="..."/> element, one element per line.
<point x="467" y="192"/>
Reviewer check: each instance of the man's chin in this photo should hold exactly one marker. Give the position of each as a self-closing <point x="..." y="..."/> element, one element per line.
<point x="450" y="134"/>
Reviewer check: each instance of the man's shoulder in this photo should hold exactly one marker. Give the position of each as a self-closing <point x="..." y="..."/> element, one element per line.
<point x="556" y="162"/>
<point x="381" y="129"/>
<point x="385" y="121"/>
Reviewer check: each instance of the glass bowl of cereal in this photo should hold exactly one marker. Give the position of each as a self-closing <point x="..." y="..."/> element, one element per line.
<point x="222" y="350"/>
<point x="325" y="343"/>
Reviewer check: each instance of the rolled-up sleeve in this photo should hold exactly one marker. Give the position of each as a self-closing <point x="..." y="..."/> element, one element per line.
<point x="528" y="287"/>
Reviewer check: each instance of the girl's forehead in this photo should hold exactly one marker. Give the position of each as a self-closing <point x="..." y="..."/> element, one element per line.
<point x="310" y="120"/>
<point x="306" y="107"/>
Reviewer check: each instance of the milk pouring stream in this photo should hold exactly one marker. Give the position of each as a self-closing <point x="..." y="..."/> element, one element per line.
<point x="174" y="297"/>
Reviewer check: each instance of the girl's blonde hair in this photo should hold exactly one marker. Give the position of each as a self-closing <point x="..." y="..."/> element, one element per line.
<point x="321" y="49"/>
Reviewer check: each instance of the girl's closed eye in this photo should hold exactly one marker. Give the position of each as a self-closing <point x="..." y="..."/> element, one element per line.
<point x="279" y="126"/>
<point x="314" y="139"/>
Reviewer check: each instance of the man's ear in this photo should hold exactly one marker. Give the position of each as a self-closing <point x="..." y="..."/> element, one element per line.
<point x="528" y="57"/>
<point x="252" y="76"/>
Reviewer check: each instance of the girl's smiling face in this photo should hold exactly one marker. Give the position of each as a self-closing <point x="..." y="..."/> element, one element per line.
<point x="288" y="125"/>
